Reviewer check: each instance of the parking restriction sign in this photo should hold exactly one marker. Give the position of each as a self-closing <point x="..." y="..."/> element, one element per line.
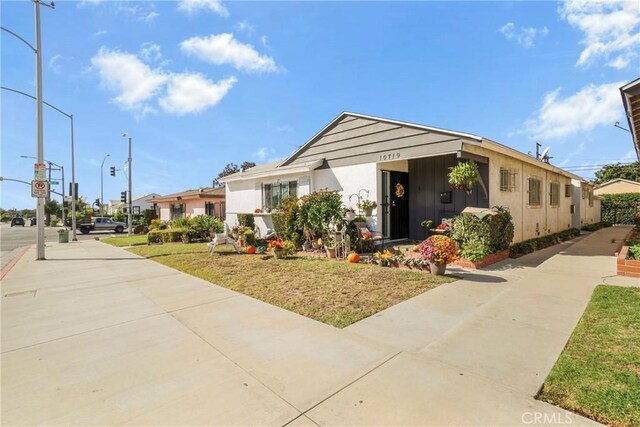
<point x="39" y="189"/>
<point x="39" y="171"/>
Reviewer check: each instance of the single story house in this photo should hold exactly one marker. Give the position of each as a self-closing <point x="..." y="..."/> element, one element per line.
<point x="617" y="186"/>
<point x="403" y="168"/>
<point x="631" y="101"/>
<point x="208" y="200"/>
<point x="139" y="204"/>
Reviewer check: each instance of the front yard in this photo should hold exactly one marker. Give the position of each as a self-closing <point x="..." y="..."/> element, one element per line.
<point x="598" y="373"/>
<point x="333" y="292"/>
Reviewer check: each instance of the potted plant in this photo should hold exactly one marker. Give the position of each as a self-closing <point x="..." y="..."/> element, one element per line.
<point x="439" y="251"/>
<point x="367" y="206"/>
<point x="281" y="248"/>
<point x="384" y="259"/>
<point x="330" y="246"/>
<point x="427" y="225"/>
<point x="349" y="214"/>
<point x="463" y="176"/>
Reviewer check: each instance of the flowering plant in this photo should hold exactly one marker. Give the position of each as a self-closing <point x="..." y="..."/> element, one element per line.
<point x="439" y="249"/>
<point x="386" y="258"/>
<point x="281" y="248"/>
<point x="444" y="226"/>
<point x="367" y="204"/>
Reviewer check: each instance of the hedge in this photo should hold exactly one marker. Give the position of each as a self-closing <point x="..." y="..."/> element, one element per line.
<point x="527" y="246"/>
<point x="483" y="234"/>
<point x="167" y="236"/>
<point x="620" y="208"/>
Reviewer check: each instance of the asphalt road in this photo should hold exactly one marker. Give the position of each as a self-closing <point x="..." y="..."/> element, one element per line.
<point x="13" y="239"/>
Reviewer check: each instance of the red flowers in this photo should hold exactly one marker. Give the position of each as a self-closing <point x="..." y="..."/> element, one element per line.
<point x="276" y="243"/>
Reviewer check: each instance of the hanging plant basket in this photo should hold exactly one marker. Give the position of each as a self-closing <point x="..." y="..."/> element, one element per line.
<point x="463" y="176"/>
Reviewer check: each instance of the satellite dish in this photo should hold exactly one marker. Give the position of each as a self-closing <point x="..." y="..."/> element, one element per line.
<point x="545" y="154"/>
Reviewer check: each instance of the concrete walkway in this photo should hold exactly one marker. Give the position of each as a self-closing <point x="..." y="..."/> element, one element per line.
<point x="98" y="336"/>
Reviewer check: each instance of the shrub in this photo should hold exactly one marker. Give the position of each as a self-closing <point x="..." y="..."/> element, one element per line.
<point x="316" y="211"/>
<point x="149" y="215"/>
<point x="249" y="237"/>
<point x="247" y="220"/>
<point x="596" y="226"/>
<point x="634" y="252"/>
<point x="156" y="224"/>
<point x="205" y="226"/>
<point x="167" y="236"/>
<point x="118" y="216"/>
<point x="140" y="229"/>
<point x="483" y="234"/>
<point x="527" y="246"/>
<point x="620" y="208"/>
<point x="181" y="223"/>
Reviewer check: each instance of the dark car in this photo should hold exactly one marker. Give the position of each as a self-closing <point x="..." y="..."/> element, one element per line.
<point x="17" y="221"/>
<point x="33" y="221"/>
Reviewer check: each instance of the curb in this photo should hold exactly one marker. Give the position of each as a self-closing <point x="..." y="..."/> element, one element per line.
<point x="7" y="268"/>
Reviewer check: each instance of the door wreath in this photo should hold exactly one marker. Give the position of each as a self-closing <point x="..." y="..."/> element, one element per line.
<point x="399" y="190"/>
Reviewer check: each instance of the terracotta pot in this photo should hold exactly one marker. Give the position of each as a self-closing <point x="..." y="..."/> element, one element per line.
<point x="437" y="269"/>
<point x="279" y="253"/>
<point x="331" y="252"/>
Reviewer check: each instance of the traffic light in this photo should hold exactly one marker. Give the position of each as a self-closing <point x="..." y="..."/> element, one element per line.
<point x="71" y="190"/>
<point x="113" y="171"/>
<point x="123" y="197"/>
<point x="97" y="202"/>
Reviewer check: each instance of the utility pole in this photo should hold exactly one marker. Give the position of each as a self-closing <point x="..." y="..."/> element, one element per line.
<point x="39" y="130"/>
<point x="102" y="184"/>
<point x="130" y="201"/>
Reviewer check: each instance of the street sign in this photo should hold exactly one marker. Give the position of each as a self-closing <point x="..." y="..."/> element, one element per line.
<point x="68" y="199"/>
<point x="39" y="172"/>
<point x="39" y="189"/>
<point x="55" y="182"/>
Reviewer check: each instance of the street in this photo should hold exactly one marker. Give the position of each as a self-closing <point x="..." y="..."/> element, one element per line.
<point x="13" y="239"/>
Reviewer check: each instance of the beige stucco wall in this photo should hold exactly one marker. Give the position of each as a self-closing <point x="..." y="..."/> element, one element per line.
<point x="617" y="188"/>
<point x="589" y="214"/>
<point x="529" y="221"/>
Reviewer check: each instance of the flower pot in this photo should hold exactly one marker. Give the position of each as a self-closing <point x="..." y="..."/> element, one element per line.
<point x="331" y="252"/>
<point x="368" y="212"/>
<point x="279" y="253"/>
<point x="437" y="269"/>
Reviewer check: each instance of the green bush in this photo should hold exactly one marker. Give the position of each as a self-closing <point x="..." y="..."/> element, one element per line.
<point x="620" y="208"/>
<point x="118" y="216"/>
<point x="249" y="237"/>
<point x="140" y="229"/>
<point x="205" y="226"/>
<point x="482" y="235"/>
<point x="149" y="215"/>
<point x="167" y="236"/>
<point x="156" y="224"/>
<point x="527" y="246"/>
<point x="634" y="252"/>
<point x="316" y="211"/>
<point x="596" y="226"/>
<point x="247" y="220"/>
<point x="184" y="222"/>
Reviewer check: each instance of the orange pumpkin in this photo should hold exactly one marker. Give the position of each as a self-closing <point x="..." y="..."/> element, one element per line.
<point x="251" y="249"/>
<point x="353" y="258"/>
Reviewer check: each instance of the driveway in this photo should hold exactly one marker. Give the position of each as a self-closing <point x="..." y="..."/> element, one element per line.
<point x="97" y="335"/>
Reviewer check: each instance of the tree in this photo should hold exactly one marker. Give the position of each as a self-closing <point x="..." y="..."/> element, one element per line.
<point x="609" y="172"/>
<point x="229" y="169"/>
<point x="52" y="207"/>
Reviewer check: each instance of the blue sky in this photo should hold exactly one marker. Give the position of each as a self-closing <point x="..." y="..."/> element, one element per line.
<point x="201" y="83"/>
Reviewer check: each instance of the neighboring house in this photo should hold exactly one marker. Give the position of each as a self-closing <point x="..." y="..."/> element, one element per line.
<point x="631" y="101"/>
<point x="209" y="201"/>
<point x="139" y="204"/>
<point x="366" y="157"/>
<point x="617" y="186"/>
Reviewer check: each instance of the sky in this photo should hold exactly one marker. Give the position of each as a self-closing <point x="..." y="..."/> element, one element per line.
<point x="198" y="84"/>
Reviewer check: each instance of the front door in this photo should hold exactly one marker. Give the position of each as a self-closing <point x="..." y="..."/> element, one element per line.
<point x="397" y="188"/>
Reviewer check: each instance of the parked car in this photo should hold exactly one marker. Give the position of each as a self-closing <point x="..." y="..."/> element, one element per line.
<point x="17" y="221"/>
<point x="33" y="221"/>
<point x="101" y="223"/>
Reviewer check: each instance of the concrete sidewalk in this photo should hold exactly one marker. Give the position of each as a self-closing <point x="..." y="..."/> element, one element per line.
<point x="96" y="335"/>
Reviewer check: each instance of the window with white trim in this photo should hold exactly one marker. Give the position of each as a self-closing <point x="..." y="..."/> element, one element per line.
<point x="177" y="211"/>
<point x="274" y="194"/>
<point x="535" y="192"/>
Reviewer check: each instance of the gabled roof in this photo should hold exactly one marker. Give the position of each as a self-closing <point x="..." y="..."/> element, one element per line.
<point x="147" y="197"/>
<point x="200" y="193"/>
<point x="613" y="181"/>
<point x="379" y="119"/>
<point x="272" y="169"/>
<point x="631" y="100"/>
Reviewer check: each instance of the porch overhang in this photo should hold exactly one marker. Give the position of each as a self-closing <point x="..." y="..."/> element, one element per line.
<point x="631" y="100"/>
<point x="275" y="171"/>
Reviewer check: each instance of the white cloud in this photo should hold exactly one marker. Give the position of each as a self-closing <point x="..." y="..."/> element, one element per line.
<point x="131" y="78"/>
<point x="142" y="11"/>
<point x="263" y="153"/>
<point x="263" y="40"/>
<point x="100" y="33"/>
<point x="225" y="49"/>
<point x="611" y="30"/>
<point x="148" y="16"/>
<point x="194" y="6"/>
<point x="245" y="27"/>
<point x="525" y="36"/>
<point x="590" y="107"/>
<point x="56" y="63"/>
<point x="150" y="52"/>
<point x="192" y="93"/>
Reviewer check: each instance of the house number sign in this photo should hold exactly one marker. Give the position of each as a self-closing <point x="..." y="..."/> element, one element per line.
<point x="390" y="156"/>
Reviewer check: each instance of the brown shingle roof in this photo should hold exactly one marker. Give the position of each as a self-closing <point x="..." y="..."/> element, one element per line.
<point x="200" y="193"/>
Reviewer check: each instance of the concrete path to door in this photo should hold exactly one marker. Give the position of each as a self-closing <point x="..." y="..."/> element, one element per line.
<point x="98" y="336"/>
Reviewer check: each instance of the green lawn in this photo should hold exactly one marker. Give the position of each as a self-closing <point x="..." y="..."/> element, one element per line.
<point x="598" y="373"/>
<point x="333" y="292"/>
<point x="139" y="239"/>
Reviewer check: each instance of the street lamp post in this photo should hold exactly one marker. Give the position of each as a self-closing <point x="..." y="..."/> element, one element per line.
<point x="130" y="213"/>
<point x="102" y="184"/>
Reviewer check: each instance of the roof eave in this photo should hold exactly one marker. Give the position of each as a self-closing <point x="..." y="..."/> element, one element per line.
<point x="276" y="171"/>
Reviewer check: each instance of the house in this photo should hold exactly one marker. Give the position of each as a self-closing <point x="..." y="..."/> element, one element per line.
<point x="139" y="204"/>
<point x="209" y="201"/>
<point x="617" y="186"/>
<point x="403" y="168"/>
<point x="631" y="101"/>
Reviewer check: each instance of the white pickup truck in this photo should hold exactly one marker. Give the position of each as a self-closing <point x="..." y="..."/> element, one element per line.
<point x="101" y="223"/>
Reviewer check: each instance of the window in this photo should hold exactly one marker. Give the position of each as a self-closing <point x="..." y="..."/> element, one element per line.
<point x="535" y="190"/>
<point x="567" y="190"/>
<point x="274" y="194"/>
<point x="585" y="192"/>
<point x="177" y="211"/>
<point x="210" y="208"/>
<point x="507" y="180"/>
<point x="590" y="195"/>
<point x="554" y="193"/>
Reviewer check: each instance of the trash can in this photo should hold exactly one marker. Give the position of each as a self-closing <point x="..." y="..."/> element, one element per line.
<point x="63" y="236"/>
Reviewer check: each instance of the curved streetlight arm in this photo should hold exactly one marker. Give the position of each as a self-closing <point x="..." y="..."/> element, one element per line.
<point x="19" y="38"/>
<point x="33" y="97"/>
